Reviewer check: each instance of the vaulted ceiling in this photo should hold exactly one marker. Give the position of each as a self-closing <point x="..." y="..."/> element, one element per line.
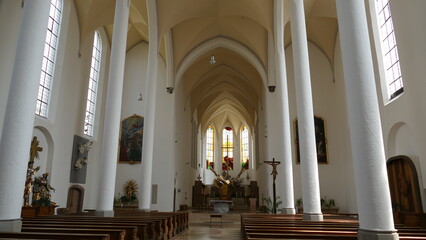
<point x="232" y="89"/>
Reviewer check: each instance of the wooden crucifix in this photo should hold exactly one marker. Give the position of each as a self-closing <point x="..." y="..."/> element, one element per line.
<point x="34" y="149"/>
<point x="274" y="174"/>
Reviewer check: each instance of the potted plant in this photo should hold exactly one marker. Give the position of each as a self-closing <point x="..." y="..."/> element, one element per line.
<point x="269" y="206"/>
<point x="299" y="205"/>
<point x="327" y="205"/>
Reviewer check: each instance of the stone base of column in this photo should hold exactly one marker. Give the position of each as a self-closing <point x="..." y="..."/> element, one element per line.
<point x="104" y="213"/>
<point x="288" y="211"/>
<point x="144" y="210"/>
<point x="13" y="225"/>
<point x="313" y="217"/>
<point x="377" y="235"/>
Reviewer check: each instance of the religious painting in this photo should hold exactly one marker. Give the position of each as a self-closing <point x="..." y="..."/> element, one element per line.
<point x="320" y="140"/>
<point x="227" y="163"/>
<point x="131" y="138"/>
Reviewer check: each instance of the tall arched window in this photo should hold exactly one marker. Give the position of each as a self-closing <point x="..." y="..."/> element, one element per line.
<point x="389" y="49"/>
<point x="228" y="149"/>
<point x="210" y="148"/>
<point x="49" y="57"/>
<point x="244" y="148"/>
<point x="92" y="91"/>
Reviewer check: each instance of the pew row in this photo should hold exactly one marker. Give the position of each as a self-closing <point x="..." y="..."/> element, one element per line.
<point x="277" y="226"/>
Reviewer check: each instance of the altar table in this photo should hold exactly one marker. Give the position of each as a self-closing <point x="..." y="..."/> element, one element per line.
<point x="221" y="206"/>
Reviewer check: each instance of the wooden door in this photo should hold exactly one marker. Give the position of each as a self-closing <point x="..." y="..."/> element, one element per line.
<point x="404" y="185"/>
<point x="75" y="199"/>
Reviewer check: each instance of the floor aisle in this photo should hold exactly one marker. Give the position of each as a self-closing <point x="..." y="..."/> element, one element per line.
<point x="199" y="227"/>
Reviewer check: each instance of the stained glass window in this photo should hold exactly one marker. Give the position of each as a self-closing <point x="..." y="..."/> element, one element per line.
<point x="244" y="148"/>
<point x="210" y="148"/>
<point x="228" y="149"/>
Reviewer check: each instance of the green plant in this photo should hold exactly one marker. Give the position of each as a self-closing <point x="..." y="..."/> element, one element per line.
<point x="269" y="206"/>
<point x="299" y="202"/>
<point x="327" y="203"/>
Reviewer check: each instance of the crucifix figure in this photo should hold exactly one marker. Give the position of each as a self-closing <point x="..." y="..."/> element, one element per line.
<point x="274" y="174"/>
<point x="34" y="149"/>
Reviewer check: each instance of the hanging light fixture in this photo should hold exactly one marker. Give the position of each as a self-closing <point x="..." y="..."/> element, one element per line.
<point x="212" y="60"/>
<point x="140" y="97"/>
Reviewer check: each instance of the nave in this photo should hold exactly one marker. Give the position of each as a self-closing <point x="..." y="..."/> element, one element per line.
<point x="201" y="228"/>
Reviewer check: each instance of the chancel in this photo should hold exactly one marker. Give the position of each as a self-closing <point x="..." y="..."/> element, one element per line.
<point x="243" y="107"/>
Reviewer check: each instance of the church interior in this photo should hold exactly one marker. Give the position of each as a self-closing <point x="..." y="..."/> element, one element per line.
<point x="299" y="107"/>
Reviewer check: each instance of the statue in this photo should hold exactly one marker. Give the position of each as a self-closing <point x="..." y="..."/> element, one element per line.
<point x="224" y="181"/>
<point x="130" y="190"/>
<point x="31" y="171"/>
<point x="28" y="184"/>
<point x="83" y="149"/>
<point x="41" y="191"/>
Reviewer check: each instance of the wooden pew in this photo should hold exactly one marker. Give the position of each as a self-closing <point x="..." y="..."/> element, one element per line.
<point x="267" y="226"/>
<point x="61" y="236"/>
<point x="140" y="229"/>
<point x="115" y="234"/>
<point x="166" y="225"/>
<point x="157" y="230"/>
<point x="177" y="222"/>
<point x="130" y="231"/>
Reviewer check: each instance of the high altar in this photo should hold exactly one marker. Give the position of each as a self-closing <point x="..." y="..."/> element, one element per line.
<point x="203" y="196"/>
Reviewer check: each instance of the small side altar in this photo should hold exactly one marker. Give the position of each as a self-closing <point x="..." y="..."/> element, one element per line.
<point x="220" y="206"/>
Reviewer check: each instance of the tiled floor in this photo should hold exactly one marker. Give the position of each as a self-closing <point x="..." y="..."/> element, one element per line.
<point x="200" y="229"/>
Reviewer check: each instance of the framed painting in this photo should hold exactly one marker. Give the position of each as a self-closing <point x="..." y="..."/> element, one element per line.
<point x="320" y="140"/>
<point x="131" y="137"/>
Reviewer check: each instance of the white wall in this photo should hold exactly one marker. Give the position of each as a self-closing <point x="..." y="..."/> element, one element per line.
<point x="407" y="113"/>
<point x="163" y="166"/>
<point x="67" y="105"/>
<point x="185" y="174"/>
<point x="134" y="84"/>
<point x="164" y="157"/>
<point x="329" y="104"/>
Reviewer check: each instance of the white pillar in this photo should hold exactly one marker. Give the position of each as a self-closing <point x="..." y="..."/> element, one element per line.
<point x="281" y="78"/>
<point x="149" y="125"/>
<point x="371" y="180"/>
<point x="109" y="152"/>
<point x="271" y="121"/>
<point x="305" y="114"/>
<point x="20" y="111"/>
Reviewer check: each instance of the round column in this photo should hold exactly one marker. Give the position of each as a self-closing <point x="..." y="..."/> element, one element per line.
<point x="149" y="125"/>
<point x="371" y="180"/>
<point x="113" y="110"/>
<point x="20" y="112"/>
<point x="281" y="75"/>
<point x="305" y="115"/>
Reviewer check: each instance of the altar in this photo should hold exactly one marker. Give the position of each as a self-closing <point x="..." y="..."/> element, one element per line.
<point x="220" y="206"/>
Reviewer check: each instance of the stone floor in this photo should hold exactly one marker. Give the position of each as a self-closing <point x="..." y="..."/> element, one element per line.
<point x="200" y="229"/>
